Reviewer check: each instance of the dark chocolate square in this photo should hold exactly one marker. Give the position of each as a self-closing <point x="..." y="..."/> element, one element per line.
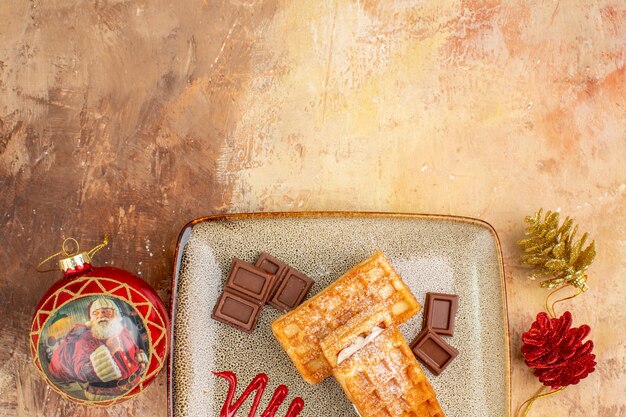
<point x="237" y="311"/>
<point x="433" y="351"/>
<point x="292" y="290"/>
<point x="440" y="311"/>
<point x="250" y="280"/>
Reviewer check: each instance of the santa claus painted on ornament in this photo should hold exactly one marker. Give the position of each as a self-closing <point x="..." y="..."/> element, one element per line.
<point x="101" y="354"/>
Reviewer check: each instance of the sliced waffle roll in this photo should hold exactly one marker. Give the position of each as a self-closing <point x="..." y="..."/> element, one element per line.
<point x="383" y="379"/>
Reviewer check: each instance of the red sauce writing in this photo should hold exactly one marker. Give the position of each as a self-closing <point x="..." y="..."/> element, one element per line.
<point x="258" y="384"/>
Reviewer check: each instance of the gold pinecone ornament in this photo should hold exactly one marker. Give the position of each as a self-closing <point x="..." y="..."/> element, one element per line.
<point x="551" y="250"/>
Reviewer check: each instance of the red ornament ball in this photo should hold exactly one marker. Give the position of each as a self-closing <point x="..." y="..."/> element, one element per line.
<point x="556" y="351"/>
<point x="100" y="335"/>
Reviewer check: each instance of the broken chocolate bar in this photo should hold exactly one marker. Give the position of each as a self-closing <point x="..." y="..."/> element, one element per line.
<point x="433" y="351"/>
<point x="246" y="291"/>
<point x="440" y="311"/>
<point x="248" y="287"/>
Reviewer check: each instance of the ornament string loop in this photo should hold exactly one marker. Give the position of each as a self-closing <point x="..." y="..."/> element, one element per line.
<point x="550" y="308"/>
<point x="49" y="258"/>
<point x="65" y="251"/>
<point x="529" y="402"/>
<point x="105" y="242"/>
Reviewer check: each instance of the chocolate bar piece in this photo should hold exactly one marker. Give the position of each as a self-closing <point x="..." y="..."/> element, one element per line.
<point x="273" y="266"/>
<point x="250" y="280"/>
<point x="439" y="312"/>
<point x="293" y="287"/>
<point x="433" y="351"/>
<point x="236" y="310"/>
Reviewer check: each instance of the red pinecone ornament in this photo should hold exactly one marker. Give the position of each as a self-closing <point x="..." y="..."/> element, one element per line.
<point x="556" y="352"/>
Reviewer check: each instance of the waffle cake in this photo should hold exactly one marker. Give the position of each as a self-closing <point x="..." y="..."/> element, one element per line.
<point x="371" y="288"/>
<point x="383" y="379"/>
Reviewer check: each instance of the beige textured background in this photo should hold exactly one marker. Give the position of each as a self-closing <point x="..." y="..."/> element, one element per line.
<point x="133" y="117"/>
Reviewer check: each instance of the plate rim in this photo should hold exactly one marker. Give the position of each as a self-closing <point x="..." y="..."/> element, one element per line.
<point x="183" y="238"/>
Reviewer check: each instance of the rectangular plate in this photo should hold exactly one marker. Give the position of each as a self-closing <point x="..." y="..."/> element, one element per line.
<point x="432" y="254"/>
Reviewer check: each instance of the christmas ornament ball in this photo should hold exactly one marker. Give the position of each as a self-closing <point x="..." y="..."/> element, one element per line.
<point x="99" y="335"/>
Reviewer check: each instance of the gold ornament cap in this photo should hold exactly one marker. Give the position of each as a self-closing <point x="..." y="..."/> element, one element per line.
<point x="74" y="262"/>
